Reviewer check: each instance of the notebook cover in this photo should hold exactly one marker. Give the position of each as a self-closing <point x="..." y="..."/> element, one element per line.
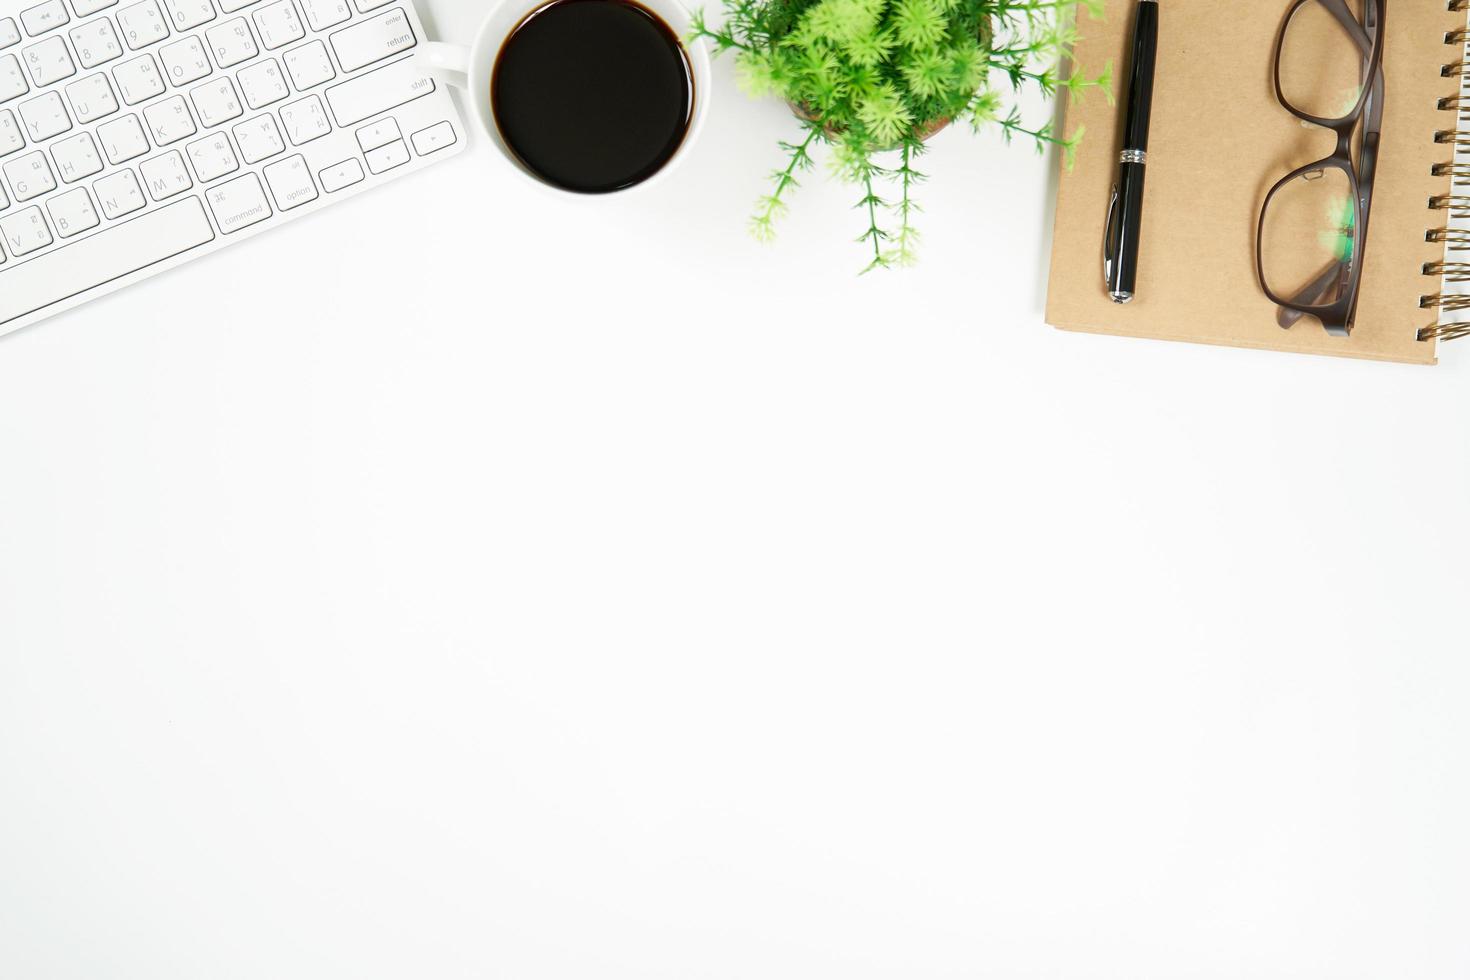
<point x="1219" y="140"/>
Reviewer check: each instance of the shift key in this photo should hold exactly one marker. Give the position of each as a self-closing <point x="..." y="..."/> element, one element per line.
<point x="373" y="39"/>
<point x="378" y="91"/>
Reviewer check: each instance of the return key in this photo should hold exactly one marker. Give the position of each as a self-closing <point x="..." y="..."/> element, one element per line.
<point x="373" y="40"/>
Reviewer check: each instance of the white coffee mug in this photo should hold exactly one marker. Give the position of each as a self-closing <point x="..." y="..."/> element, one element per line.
<point x="470" y="68"/>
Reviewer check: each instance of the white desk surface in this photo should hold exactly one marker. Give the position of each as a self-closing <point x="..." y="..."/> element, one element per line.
<point x="468" y="583"/>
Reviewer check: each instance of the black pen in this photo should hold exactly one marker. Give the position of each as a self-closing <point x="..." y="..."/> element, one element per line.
<point x="1125" y="210"/>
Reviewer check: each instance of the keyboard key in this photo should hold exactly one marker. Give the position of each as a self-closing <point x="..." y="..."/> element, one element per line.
<point x="436" y="137"/>
<point x="44" y="116"/>
<point x="142" y="24"/>
<point x="374" y="135"/>
<point x="290" y="183"/>
<point x="387" y="157"/>
<point x="166" y="175"/>
<point x="4" y="203"/>
<point x="72" y="213"/>
<point x="212" y="157"/>
<point x="187" y="14"/>
<point x="278" y="24"/>
<point x="10" y="138"/>
<point x="49" y="61"/>
<point x="91" y="98"/>
<point x="309" y="65"/>
<point x="321" y="14"/>
<point x="95" y="42"/>
<point x="262" y="84"/>
<point x="373" y="40"/>
<point x="363" y="6"/>
<point x="259" y="138"/>
<point x="110" y="254"/>
<point x="76" y="157"/>
<point x="216" y="102"/>
<point x="119" y="193"/>
<point x="305" y="120"/>
<point x="138" y="80"/>
<point x="230" y="6"/>
<point x="12" y="81"/>
<point x="86" y="8"/>
<point x="25" y="232"/>
<point x="9" y="33"/>
<point x="122" y="139"/>
<point x="44" y="17"/>
<point x="29" y="176"/>
<point x="378" y="91"/>
<point x="238" y="203"/>
<point x="184" y="61"/>
<point x="344" y="174"/>
<point x="231" y="42"/>
<point x="169" y="121"/>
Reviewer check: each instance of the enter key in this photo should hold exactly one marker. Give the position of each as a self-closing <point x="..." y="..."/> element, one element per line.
<point x="373" y="39"/>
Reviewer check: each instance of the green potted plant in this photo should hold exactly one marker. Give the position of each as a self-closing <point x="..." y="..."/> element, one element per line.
<point x="874" y="79"/>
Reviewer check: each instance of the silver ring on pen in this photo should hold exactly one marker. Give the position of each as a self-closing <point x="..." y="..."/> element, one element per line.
<point x="1133" y="156"/>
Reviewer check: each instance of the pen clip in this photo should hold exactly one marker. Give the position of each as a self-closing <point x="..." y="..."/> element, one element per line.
<point x="1110" y="242"/>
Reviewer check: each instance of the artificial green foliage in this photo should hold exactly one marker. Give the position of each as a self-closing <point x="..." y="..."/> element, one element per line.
<point x="872" y="79"/>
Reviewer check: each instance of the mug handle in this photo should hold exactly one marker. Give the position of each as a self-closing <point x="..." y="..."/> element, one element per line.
<point x="449" y="61"/>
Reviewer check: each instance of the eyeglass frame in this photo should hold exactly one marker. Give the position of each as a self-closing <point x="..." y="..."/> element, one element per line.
<point x="1336" y="317"/>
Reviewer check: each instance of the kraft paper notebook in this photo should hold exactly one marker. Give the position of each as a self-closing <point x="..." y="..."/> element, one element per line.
<point x="1220" y="140"/>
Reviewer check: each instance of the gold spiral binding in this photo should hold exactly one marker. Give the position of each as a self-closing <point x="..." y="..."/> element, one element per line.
<point x="1455" y="205"/>
<point x="1448" y="271"/>
<point x="1459" y="171"/>
<point x="1445" y="331"/>
<point x="1441" y="301"/>
<point x="1456" y="239"/>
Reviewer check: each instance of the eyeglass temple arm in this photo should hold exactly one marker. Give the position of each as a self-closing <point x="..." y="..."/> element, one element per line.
<point x="1350" y="24"/>
<point x="1331" y="282"/>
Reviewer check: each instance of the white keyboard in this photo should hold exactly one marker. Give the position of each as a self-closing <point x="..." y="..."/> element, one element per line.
<point x="138" y="134"/>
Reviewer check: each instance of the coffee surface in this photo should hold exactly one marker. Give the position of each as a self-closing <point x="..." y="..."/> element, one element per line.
<point x="593" y="95"/>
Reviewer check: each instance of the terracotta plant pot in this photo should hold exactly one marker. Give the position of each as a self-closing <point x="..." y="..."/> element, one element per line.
<point x="923" y="132"/>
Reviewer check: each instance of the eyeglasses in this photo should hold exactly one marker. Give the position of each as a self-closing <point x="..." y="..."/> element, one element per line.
<point x="1314" y="225"/>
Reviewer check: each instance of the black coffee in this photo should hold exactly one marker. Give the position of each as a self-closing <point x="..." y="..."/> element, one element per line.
<point x="593" y="95"/>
